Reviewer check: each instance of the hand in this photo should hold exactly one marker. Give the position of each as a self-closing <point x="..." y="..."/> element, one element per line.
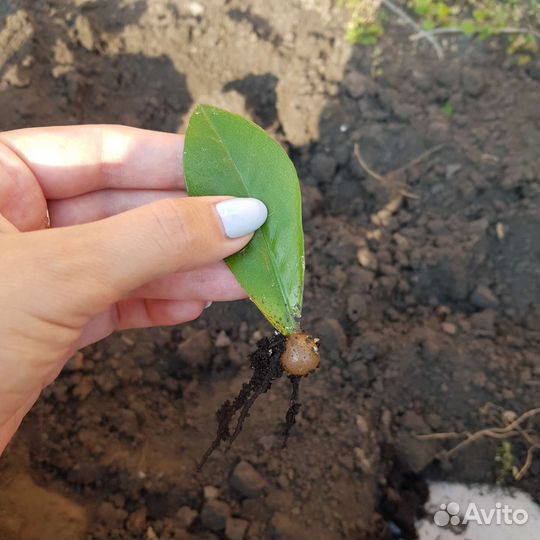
<point x="126" y="248"/>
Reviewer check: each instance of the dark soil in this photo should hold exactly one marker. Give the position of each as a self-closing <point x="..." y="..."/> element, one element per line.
<point x="427" y="308"/>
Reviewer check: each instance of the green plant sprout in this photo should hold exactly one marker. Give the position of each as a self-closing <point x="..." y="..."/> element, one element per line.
<point x="516" y="20"/>
<point x="225" y="154"/>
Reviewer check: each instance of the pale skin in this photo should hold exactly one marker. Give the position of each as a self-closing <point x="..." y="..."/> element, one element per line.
<point x="125" y="248"/>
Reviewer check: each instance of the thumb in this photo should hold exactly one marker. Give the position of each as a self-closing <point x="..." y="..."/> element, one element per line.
<point x="173" y="235"/>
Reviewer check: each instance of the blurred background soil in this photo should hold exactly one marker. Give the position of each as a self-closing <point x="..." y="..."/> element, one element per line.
<point x="426" y="306"/>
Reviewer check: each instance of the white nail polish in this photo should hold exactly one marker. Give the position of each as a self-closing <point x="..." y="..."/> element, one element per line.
<point x="241" y="216"/>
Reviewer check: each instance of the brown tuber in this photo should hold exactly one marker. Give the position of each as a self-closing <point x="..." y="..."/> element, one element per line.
<point x="301" y="356"/>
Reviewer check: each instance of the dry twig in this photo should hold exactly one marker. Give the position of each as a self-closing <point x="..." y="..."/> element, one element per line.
<point x="454" y="30"/>
<point x="512" y="429"/>
<point x="419" y="31"/>
<point x="393" y="176"/>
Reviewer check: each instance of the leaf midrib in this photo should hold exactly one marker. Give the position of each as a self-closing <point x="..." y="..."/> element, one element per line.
<point x="261" y="231"/>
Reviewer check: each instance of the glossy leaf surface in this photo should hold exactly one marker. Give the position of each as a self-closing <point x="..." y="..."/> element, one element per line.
<point x="225" y="154"/>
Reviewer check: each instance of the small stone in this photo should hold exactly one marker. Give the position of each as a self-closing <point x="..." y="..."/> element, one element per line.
<point x="247" y="480"/>
<point x="482" y="297"/>
<point x="186" y="516"/>
<point x="449" y="328"/>
<point x="136" y="521"/>
<point x="210" y="492"/>
<point x="332" y="335"/>
<point x="17" y="77"/>
<point x="483" y="323"/>
<point x="84" y="31"/>
<point x="451" y="170"/>
<point x="268" y="441"/>
<point x="356" y="307"/>
<point x="235" y="529"/>
<point x="479" y="378"/>
<point x="75" y="363"/>
<point x="367" y="259"/>
<point x="223" y="340"/>
<point x="197" y="349"/>
<point x="107" y="381"/>
<point x="473" y="83"/>
<point x="500" y="230"/>
<point x="417" y="453"/>
<point x="402" y="243"/>
<point x="355" y="84"/>
<point x="239" y="353"/>
<point x="362" y="425"/>
<point x="323" y="167"/>
<point x="414" y="422"/>
<point x="284" y="528"/>
<point x="196" y="9"/>
<point x="83" y="389"/>
<point x="214" y="515"/>
<point x="362" y="462"/>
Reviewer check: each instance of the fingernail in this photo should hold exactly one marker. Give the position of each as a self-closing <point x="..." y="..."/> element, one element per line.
<point x="207" y="305"/>
<point x="241" y="216"/>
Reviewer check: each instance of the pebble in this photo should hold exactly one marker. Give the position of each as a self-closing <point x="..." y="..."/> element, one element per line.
<point x="83" y="389"/>
<point x="414" y="422"/>
<point x="75" y="363"/>
<point x="483" y="297"/>
<point x="136" y="521"/>
<point x="323" y="167"/>
<point x="210" y="492"/>
<point x="361" y="461"/>
<point x="186" y="516"/>
<point x="247" y="480"/>
<point x="483" y="323"/>
<point x="285" y="528"/>
<point x="235" y="529"/>
<point x="473" y="82"/>
<point x="223" y="340"/>
<point x="214" y="515"/>
<point x="85" y="34"/>
<point x="367" y="259"/>
<point x="332" y="335"/>
<point x="197" y="349"/>
<point x="196" y="9"/>
<point x="355" y="84"/>
<point x="356" y="307"/>
<point x="449" y="328"/>
<point x="417" y="453"/>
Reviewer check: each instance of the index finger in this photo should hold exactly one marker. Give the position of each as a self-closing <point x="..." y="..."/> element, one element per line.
<point x="71" y="160"/>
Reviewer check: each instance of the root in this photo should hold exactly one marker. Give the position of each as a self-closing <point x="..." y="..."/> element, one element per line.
<point x="512" y="429"/>
<point x="266" y="365"/>
<point x="293" y="410"/>
<point x="392" y="179"/>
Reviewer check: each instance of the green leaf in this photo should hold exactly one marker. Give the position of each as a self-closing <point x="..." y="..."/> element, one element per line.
<point x="225" y="154"/>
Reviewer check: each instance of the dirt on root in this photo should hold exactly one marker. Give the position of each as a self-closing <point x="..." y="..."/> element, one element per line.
<point x="423" y="288"/>
<point x="265" y="362"/>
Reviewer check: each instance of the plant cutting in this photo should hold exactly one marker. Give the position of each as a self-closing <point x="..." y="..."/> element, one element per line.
<point x="225" y="154"/>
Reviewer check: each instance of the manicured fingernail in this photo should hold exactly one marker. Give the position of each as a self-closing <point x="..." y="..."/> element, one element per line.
<point x="207" y="305"/>
<point x="241" y="216"/>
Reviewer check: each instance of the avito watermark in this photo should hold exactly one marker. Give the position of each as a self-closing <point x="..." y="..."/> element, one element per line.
<point x="501" y="514"/>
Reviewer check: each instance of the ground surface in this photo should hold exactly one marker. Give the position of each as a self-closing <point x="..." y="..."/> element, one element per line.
<point x="408" y="346"/>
